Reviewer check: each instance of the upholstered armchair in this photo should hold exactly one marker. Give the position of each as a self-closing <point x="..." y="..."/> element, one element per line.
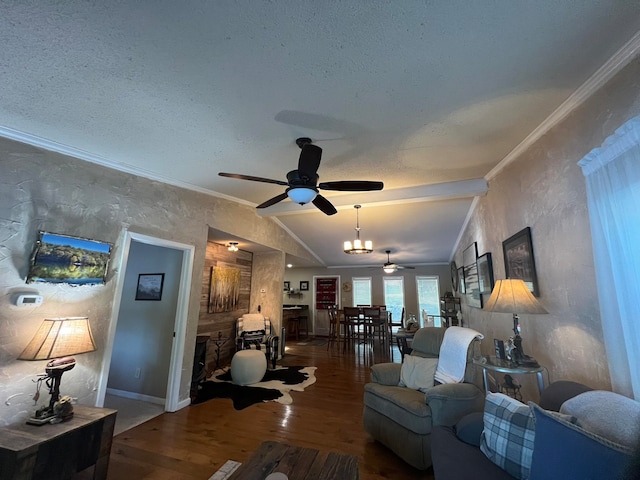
<point x="254" y="331"/>
<point x="401" y="416"/>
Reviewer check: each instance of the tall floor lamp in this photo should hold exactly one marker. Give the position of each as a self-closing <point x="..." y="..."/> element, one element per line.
<point x="56" y="340"/>
<point x="513" y="296"/>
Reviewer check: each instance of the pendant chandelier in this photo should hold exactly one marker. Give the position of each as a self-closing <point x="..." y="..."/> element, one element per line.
<point x="358" y="246"/>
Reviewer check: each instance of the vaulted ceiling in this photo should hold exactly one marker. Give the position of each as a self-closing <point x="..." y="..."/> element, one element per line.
<point x="428" y="97"/>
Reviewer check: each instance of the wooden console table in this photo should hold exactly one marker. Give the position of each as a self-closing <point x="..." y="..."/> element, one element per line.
<point x="61" y="450"/>
<point x="297" y="462"/>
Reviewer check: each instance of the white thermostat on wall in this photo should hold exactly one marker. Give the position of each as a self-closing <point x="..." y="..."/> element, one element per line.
<point x="28" y="300"/>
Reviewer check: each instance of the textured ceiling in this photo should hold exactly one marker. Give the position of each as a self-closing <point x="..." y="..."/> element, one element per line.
<point x="412" y="93"/>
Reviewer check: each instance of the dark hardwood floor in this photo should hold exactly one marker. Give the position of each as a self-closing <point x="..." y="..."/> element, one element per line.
<point x="197" y="440"/>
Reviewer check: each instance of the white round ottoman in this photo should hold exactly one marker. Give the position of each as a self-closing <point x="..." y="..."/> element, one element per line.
<point x="248" y="367"/>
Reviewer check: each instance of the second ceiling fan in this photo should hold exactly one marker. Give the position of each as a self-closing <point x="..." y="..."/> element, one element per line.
<point x="390" y="267"/>
<point x="302" y="183"/>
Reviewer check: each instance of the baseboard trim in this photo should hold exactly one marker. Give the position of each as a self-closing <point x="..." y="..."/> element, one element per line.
<point x="136" y="396"/>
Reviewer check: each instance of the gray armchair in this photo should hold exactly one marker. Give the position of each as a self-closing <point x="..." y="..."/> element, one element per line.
<point x="402" y="418"/>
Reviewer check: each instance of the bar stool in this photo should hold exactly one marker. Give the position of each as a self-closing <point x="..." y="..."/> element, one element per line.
<point x="294" y="327"/>
<point x="303" y="326"/>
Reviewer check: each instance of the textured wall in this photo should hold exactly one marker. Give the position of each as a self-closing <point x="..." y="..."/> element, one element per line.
<point x="544" y="188"/>
<point x="268" y="275"/>
<point x="41" y="190"/>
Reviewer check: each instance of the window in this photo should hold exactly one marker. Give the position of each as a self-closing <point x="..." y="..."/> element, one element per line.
<point x="394" y="296"/>
<point x="613" y="197"/>
<point x="361" y="290"/>
<point x="428" y="289"/>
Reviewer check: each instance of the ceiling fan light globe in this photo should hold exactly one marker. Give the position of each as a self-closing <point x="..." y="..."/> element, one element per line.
<point x="301" y="195"/>
<point x="389" y="269"/>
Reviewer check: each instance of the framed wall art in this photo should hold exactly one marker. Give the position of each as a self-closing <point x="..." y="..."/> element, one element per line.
<point x="287" y="286"/>
<point x="518" y="259"/>
<point x="304" y="286"/>
<point x="224" y="289"/>
<point x="485" y="273"/>
<point x="150" y="286"/>
<point x="71" y="260"/>
<point x="472" y="288"/>
<point x="461" y="286"/>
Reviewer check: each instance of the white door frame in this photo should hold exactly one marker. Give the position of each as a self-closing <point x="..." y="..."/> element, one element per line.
<point x="172" y="400"/>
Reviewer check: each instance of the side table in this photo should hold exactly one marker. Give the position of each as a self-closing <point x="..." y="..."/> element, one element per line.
<point x="494" y="364"/>
<point x="402" y="340"/>
<point x="59" y="451"/>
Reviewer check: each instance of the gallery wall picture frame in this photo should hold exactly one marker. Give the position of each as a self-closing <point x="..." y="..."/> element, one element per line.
<point x="150" y="286"/>
<point x="287" y="286"/>
<point x="304" y="286"/>
<point x="519" y="261"/>
<point x="472" y="289"/>
<point x="461" y="285"/>
<point x="454" y="275"/>
<point x="470" y="255"/>
<point x="485" y="273"/>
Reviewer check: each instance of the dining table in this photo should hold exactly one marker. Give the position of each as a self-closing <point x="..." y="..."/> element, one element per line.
<point x="362" y="324"/>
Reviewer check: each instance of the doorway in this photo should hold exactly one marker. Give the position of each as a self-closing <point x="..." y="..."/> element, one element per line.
<point x="145" y="345"/>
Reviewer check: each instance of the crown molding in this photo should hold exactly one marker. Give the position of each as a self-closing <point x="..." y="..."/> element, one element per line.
<point x="605" y="73"/>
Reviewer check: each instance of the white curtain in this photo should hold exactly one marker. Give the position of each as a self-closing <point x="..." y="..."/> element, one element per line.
<point x="612" y="175"/>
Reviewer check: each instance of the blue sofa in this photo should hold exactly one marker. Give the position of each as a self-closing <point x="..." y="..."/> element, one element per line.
<point x="560" y="450"/>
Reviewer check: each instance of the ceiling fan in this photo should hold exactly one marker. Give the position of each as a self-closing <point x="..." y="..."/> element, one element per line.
<point x="390" y="267"/>
<point x="302" y="184"/>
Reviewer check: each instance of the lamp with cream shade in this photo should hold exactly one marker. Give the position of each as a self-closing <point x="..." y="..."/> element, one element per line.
<point x="56" y="340"/>
<point x="513" y="296"/>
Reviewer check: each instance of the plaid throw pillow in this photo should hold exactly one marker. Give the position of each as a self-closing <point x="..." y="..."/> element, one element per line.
<point x="508" y="435"/>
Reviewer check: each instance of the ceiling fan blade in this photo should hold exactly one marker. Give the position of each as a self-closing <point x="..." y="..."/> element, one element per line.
<point x="352" y="185"/>
<point x="325" y="205"/>
<point x="273" y="201"/>
<point x="309" y="160"/>
<point x="407" y="268"/>
<point x="253" y="179"/>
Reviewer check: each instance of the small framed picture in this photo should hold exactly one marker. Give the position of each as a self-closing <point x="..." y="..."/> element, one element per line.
<point x="150" y="286"/>
<point x="499" y="346"/>
<point x="287" y="286"/>
<point x="304" y="286"/>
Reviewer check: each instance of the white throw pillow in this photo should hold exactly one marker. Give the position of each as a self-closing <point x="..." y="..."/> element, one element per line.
<point x="417" y="372"/>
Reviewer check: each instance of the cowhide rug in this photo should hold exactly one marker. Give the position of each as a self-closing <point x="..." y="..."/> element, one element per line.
<point x="275" y="386"/>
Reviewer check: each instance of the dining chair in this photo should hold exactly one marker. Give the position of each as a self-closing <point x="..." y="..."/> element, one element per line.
<point x="352" y="324"/>
<point x="334" y="327"/>
<point x="391" y="332"/>
<point x="375" y="324"/>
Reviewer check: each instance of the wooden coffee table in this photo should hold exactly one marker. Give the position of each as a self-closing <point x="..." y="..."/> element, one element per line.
<point x="297" y="463"/>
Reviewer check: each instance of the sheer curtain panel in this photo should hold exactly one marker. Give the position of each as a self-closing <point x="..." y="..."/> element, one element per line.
<point x="612" y="174"/>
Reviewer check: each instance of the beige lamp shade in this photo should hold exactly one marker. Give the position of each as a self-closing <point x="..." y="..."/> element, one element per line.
<point x="513" y="296"/>
<point x="60" y="337"/>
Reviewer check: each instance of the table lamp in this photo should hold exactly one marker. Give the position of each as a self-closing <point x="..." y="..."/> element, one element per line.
<point x="56" y="340"/>
<point x="513" y="296"/>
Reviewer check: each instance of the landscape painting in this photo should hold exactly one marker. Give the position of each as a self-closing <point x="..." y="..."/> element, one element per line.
<point x="71" y="260"/>
<point x="224" y="289"/>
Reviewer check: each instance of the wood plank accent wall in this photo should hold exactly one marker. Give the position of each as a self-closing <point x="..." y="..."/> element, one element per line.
<point x="212" y="323"/>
